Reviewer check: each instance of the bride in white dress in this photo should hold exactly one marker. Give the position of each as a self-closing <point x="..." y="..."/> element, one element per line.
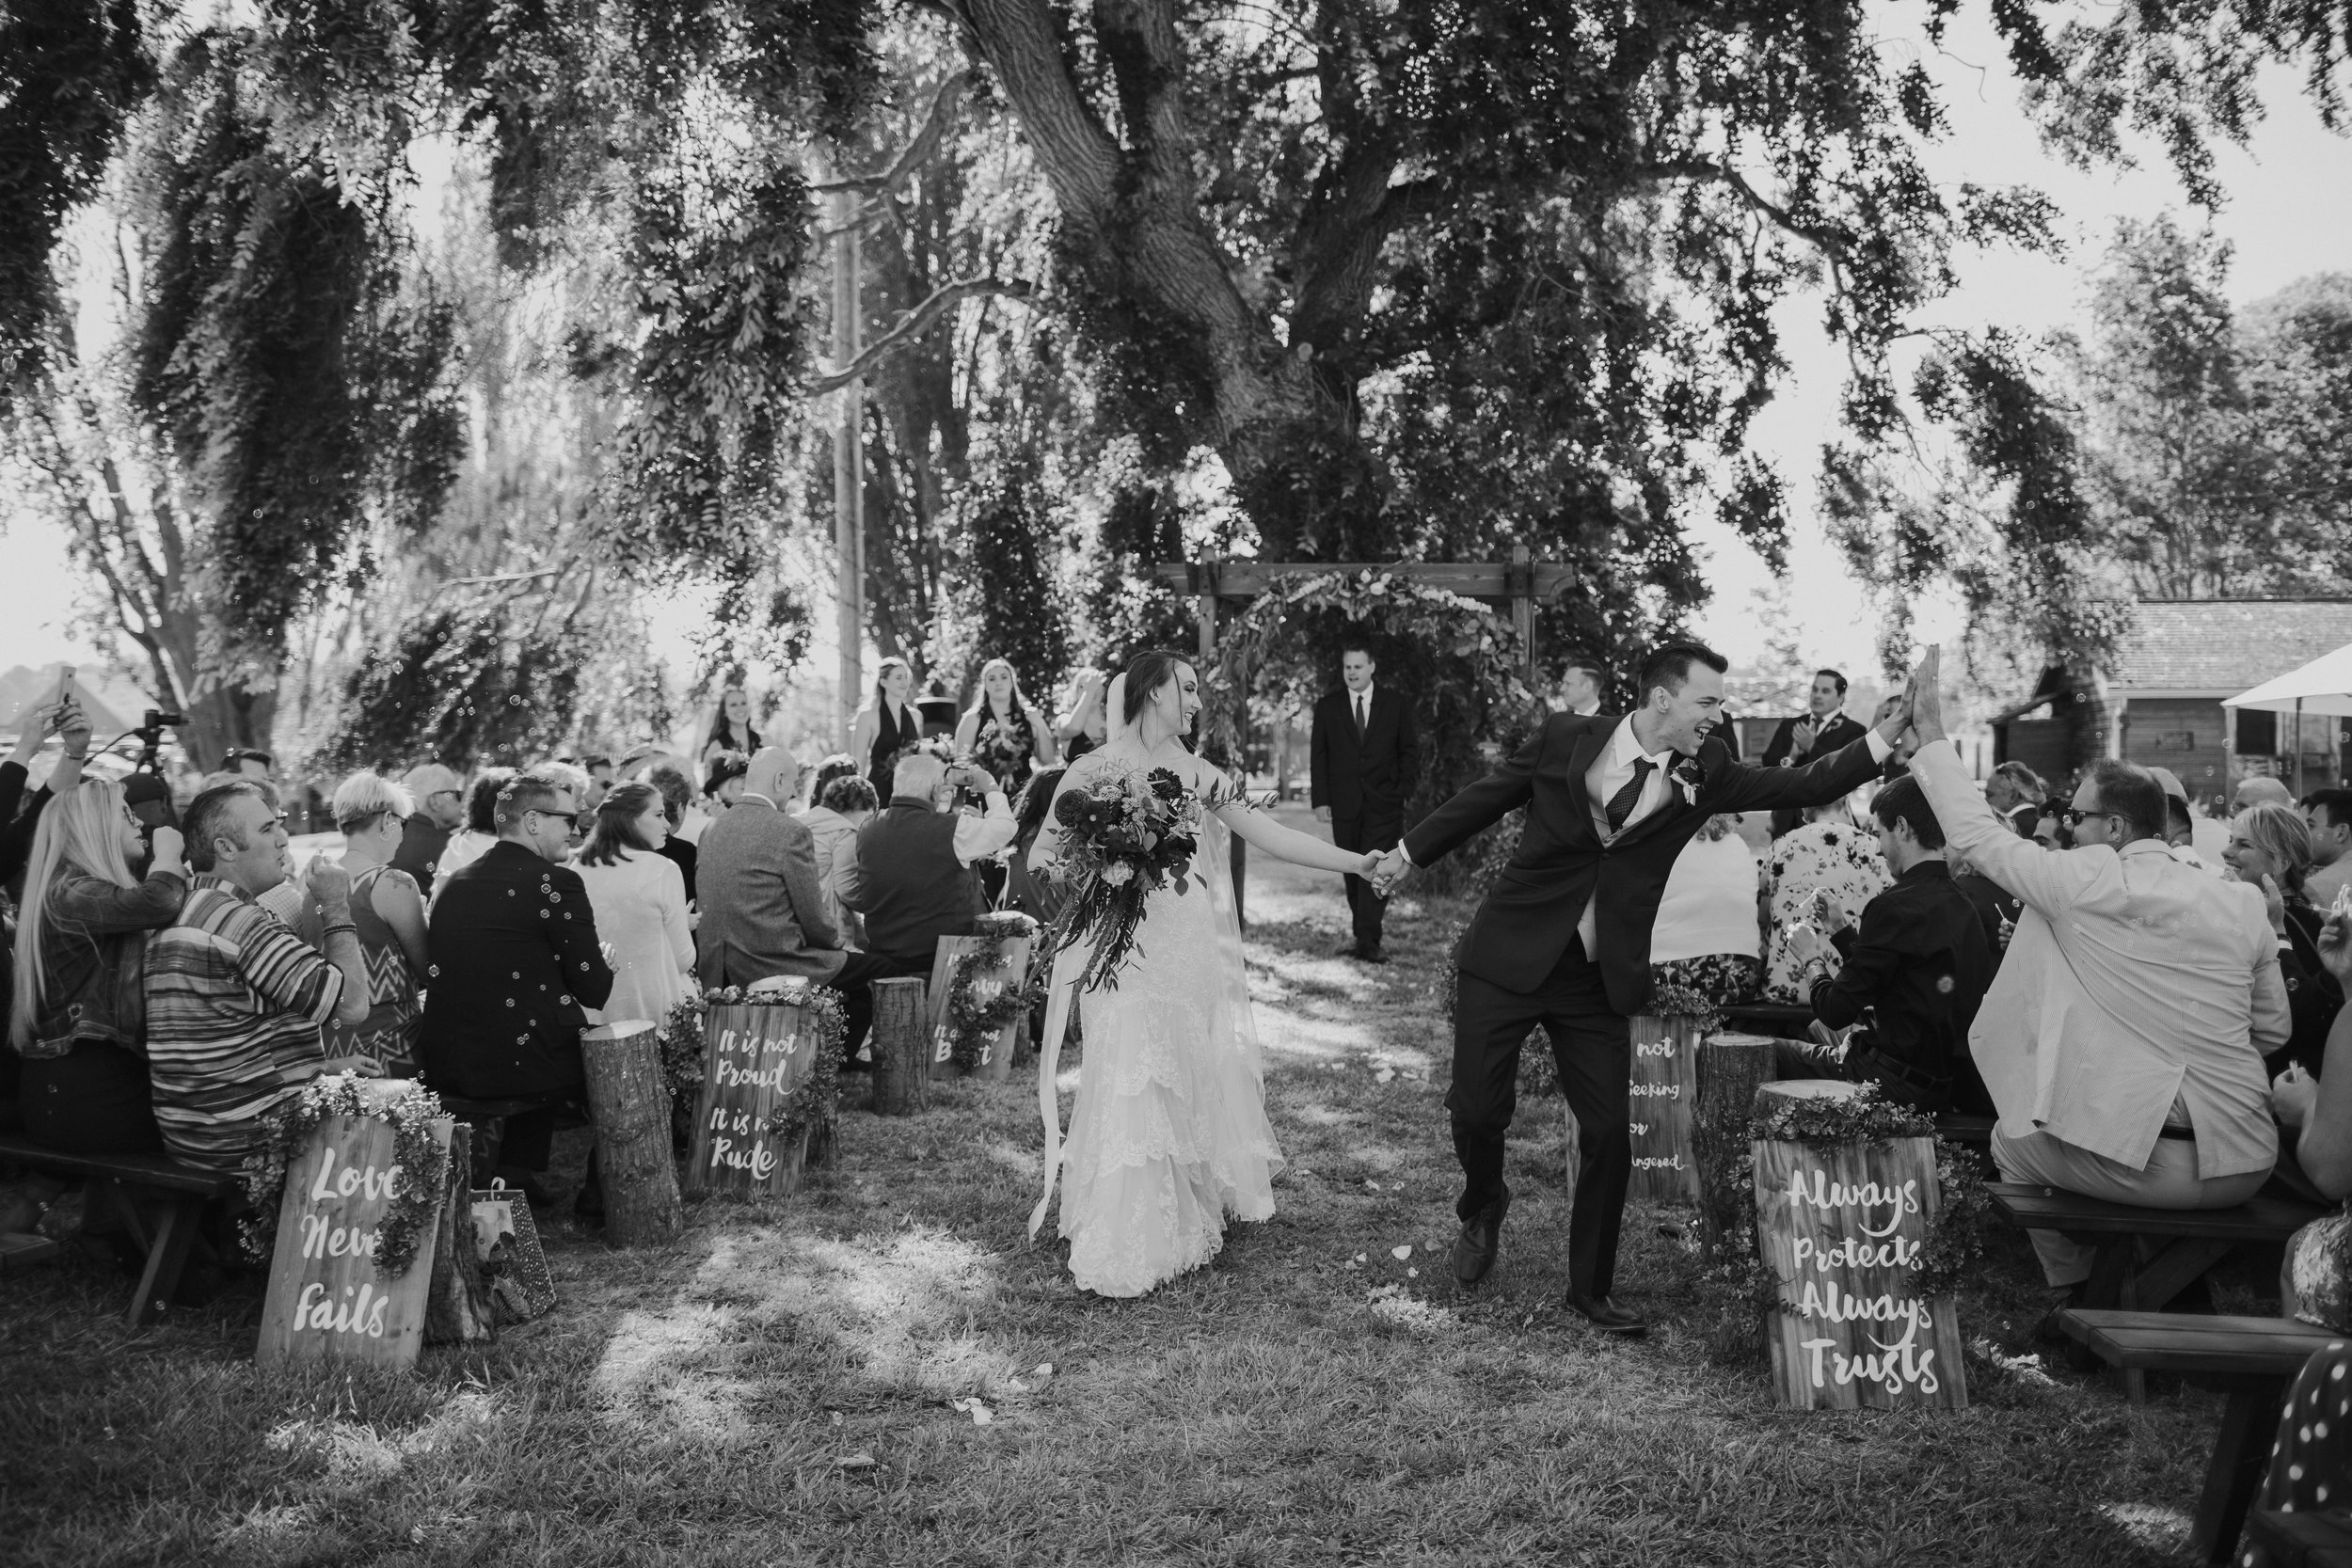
<point x="1169" y="1137"/>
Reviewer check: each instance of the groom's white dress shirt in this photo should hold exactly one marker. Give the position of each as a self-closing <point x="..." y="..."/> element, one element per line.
<point x="1611" y="771"/>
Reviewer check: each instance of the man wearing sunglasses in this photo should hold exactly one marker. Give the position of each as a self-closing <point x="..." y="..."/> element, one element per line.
<point x="2123" y="1040"/>
<point x="440" y="799"/>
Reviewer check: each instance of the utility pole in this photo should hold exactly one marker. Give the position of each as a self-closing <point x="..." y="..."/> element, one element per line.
<point x="848" y="477"/>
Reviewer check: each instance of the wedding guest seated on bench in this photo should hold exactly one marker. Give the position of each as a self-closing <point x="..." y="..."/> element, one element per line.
<point x="2317" y="1112"/>
<point x="911" y="874"/>
<point x="1918" y="964"/>
<point x="235" y="1000"/>
<point x="511" y="959"/>
<point x="79" y="1015"/>
<point x="766" y="910"/>
<point x="2123" y="1039"/>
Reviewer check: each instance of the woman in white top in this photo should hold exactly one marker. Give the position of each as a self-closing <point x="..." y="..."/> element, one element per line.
<point x="1704" y="948"/>
<point x="640" y="903"/>
<point x="848" y="805"/>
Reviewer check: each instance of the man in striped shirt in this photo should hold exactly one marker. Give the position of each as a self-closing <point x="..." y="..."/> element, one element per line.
<point x="234" y="1000"/>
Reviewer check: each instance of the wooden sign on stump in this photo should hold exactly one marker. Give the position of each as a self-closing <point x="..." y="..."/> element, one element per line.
<point x="1665" y="1086"/>
<point x="1012" y="968"/>
<point x="757" y="1054"/>
<point x="327" y="1300"/>
<point x="629" y="1101"/>
<point x="1841" y="1225"/>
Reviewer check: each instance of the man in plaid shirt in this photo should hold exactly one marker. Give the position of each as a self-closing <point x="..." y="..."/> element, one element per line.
<point x="234" y="999"/>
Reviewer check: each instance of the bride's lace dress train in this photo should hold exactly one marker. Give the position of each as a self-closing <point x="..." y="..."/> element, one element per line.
<point x="1169" y="1138"/>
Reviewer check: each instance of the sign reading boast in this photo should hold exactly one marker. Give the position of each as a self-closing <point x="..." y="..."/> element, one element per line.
<point x="1843" y="1226"/>
<point x="327" y="1300"/>
<point x="757" y="1053"/>
<point x="1665" y="1086"/>
<point x="1011" y="967"/>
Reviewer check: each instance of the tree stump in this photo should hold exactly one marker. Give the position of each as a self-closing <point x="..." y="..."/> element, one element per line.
<point x="629" y="1102"/>
<point x="1731" y="1067"/>
<point x="903" y="1042"/>
<point x="458" y="1308"/>
<point x="1841" y="1223"/>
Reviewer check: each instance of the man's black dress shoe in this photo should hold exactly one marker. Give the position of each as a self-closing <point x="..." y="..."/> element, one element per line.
<point x="1371" y="955"/>
<point x="1474" y="1249"/>
<point x="1607" y="1316"/>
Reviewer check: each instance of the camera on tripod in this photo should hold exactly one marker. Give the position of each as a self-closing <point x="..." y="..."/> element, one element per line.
<point x="145" y="791"/>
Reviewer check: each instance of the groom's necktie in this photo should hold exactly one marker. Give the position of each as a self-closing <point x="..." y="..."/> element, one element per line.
<point x="1360" y="716"/>
<point x="1621" y="804"/>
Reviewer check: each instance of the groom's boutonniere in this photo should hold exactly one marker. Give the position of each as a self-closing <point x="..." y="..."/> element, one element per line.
<point x="1688" y="779"/>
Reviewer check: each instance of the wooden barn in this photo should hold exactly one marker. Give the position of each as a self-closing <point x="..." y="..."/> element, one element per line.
<point x="2160" y="701"/>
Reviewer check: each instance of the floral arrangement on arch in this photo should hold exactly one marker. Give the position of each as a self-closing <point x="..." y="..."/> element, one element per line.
<point x="1434" y="618"/>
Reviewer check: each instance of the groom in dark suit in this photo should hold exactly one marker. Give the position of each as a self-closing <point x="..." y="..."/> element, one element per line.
<point x="1563" y="937"/>
<point x="1362" y="753"/>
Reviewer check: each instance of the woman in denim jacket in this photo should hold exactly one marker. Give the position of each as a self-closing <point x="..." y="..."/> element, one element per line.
<point x="79" y="1015"/>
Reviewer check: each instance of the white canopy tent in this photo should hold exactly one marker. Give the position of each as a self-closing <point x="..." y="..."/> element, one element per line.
<point x="2323" y="686"/>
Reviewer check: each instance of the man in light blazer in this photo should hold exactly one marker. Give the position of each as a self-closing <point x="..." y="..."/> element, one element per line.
<point x="1362" y="754"/>
<point x="764" y="912"/>
<point x="2123" y="1039"/>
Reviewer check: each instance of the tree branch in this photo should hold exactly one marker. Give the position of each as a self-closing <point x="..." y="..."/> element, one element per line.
<point x="914" y="324"/>
<point x="1020" y="41"/>
<point x="945" y="104"/>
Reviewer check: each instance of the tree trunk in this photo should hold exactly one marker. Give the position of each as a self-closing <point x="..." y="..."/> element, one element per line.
<point x="1731" y="1067"/>
<point x="458" y="1310"/>
<point x="1168" y="299"/>
<point x="902" y="1048"/>
<point x="629" y="1102"/>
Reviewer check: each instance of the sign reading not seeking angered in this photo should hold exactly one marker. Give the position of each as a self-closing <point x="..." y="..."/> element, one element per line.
<point x="756" y="1054"/>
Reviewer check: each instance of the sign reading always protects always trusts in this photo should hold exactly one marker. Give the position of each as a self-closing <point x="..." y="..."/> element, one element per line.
<point x="1843" y="1225"/>
<point x="756" y="1056"/>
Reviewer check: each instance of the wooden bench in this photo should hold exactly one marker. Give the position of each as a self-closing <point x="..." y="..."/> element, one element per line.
<point x="180" y="1192"/>
<point x="1975" y="1132"/>
<point x="2250" y="1359"/>
<point x="1778" y="1020"/>
<point x="2304" y="1540"/>
<point x="2146" y="1257"/>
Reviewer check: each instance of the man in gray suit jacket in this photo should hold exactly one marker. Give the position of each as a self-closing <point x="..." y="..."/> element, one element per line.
<point x="764" y="914"/>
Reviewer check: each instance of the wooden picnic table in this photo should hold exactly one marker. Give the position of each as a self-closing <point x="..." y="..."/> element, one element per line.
<point x="2147" y="1257"/>
<point x="2250" y="1360"/>
<point x="165" y="1229"/>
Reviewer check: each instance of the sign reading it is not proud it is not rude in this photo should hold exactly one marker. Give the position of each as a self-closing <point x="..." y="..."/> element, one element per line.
<point x="757" y="1053"/>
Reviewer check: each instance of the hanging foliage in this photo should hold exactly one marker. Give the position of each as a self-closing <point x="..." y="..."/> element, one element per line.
<point x="460" y="687"/>
<point x="299" y="391"/>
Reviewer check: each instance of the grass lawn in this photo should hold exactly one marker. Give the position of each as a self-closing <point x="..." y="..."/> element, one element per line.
<point x="782" y="1385"/>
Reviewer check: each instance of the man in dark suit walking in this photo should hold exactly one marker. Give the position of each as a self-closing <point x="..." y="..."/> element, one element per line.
<point x="1563" y="937"/>
<point x="1362" y="753"/>
<point x="1824" y="729"/>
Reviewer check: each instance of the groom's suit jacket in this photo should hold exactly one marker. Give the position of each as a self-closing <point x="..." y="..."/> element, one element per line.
<point x="1566" y="855"/>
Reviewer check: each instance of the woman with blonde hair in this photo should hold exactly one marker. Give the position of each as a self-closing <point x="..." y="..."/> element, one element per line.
<point x="730" y="727"/>
<point x="1001" y="732"/>
<point x="2270" y="849"/>
<point x="388" y="907"/>
<point x="79" y="1015"/>
<point x="886" y="725"/>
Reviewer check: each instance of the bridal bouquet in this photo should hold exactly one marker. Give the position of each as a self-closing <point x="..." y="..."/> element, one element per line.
<point x="1123" y="836"/>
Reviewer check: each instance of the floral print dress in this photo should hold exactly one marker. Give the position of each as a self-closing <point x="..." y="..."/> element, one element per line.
<point x="1836" y="857"/>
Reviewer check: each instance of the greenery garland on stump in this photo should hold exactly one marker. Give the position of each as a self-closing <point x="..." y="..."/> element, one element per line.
<point x="973" y="1020"/>
<point x="423" y="1162"/>
<point x="1953" y="1245"/>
